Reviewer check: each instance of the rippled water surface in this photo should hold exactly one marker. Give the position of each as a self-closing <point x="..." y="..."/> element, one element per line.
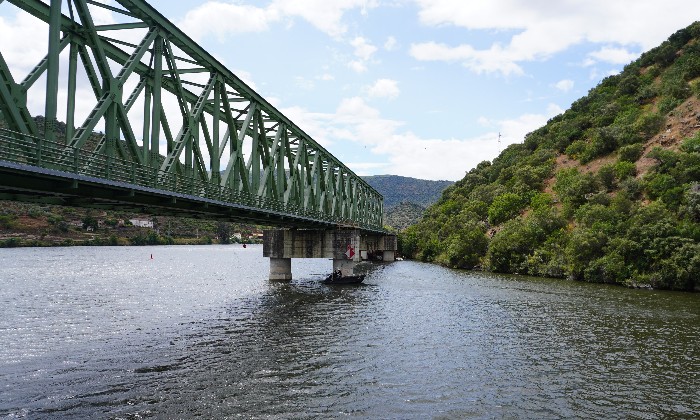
<point x="200" y="331"/>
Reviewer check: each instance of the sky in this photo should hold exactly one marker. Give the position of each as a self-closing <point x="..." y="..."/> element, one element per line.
<point x="418" y="88"/>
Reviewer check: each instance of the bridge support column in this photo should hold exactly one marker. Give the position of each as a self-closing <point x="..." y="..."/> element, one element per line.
<point x="346" y="247"/>
<point x="280" y="269"/>
<point x="389" y="256"/>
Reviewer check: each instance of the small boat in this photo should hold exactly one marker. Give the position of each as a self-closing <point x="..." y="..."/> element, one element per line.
<point x="338" y="278"/>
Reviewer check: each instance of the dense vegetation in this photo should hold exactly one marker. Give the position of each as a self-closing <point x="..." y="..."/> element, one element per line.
<point x="608" y="191"/>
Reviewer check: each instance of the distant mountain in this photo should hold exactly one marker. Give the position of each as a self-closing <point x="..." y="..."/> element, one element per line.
<point x="400" y="189"/>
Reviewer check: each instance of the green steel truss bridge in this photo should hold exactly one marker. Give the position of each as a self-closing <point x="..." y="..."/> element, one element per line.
<point x="167" y="129"/>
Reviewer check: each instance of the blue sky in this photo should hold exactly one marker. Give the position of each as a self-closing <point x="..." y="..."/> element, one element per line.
<point x="418" y="88"/>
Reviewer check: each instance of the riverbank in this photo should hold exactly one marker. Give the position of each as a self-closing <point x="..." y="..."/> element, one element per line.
<point x="34" y="225"/>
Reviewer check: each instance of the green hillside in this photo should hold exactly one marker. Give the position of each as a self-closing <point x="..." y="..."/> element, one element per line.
<point x="403" y="215"/>
<point x="608" y="191"/>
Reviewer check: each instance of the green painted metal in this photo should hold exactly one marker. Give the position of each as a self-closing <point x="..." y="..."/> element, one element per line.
<point x="231" y="144"/>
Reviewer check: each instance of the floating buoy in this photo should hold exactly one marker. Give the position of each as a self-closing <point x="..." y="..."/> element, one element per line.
<point x="151" y="256"/>
<point x="243" y="245"/>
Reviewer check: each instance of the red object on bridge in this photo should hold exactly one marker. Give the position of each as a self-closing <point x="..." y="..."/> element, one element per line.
<point x="350" y="252"/>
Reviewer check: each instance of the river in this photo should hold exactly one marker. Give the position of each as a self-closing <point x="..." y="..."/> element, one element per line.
<point x="199" y="331"/>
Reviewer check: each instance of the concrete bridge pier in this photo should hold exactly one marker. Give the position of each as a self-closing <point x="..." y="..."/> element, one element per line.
<point x="346" y="247"/>
<point x="280" y="269"/>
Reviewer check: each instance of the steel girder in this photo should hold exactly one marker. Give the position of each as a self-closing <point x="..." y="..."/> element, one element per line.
<point x="230" y="139"/>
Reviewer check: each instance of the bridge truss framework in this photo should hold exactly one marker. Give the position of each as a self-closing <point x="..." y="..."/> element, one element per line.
<point x="234" y="155"/>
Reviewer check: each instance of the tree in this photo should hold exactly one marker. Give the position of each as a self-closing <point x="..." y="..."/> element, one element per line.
<point x="504" y="207"/>
<point x="465" y="247"/>
<point x="223" y="233"/>
<point x="89" y="222"/>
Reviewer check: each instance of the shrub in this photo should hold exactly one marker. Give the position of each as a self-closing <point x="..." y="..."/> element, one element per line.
<point x="666" y="160"/>
<point x="691" y="144"/>
<point x="35" y="213"/>
<point x="646" y="94"/>
<point x="10" y="243"/>
<point x="598" y="217"/>
<point x="649" y="124"/>
<point x="606" y="176"/>
<point x="7" y="221"/>
<point x="692" y="200"/>
<point x="89" y="222"/>
<point x="584" y="247"/>
<point x="674" y="86"/>
<point x="610" y="268"/>
<point x="479" y="208"/>
<point x="695" y="87"/>
<point x="408" y="241"/>
<point x="630" y="153"/>
<point x="510" y="247"/>
<point x="111" y="222"/>
<point x="681" y="271"/>
<point x="572" y="186"/>
<point x="656" y="184"/>
<point x="673" y="197"/>
<point x="505" y="206"/>
<point x="464" y="248"/>
<point x="541" y="202"/>
<point x="668" y="104"/>
<point x="624" y="170"/>
<point x="548" y="260"/>
<point x="575" y="149"/>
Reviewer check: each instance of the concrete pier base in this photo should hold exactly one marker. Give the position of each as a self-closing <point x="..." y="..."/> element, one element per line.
<point x="389" y="256"/>
<point x="280" y="269"/>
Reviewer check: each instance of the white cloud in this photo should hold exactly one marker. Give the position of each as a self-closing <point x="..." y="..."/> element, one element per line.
<point x="23" y="42"/>
<point x="363" y="49"/>
<point x="406" y="153"/>
<point x="484" y="61"/>
<point x="323" y="14"/>
<point x="224" y="19"/>
<point x="245" y="76"/>
<point x="102" y="16"/>
<point x="564" y="85"/>
<point x="612" y="55"/>
<point x="390" y="43"/>
<point x="384" y="88"/>
<point x="544" y="28"/>
<point x="357" y="66"/>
